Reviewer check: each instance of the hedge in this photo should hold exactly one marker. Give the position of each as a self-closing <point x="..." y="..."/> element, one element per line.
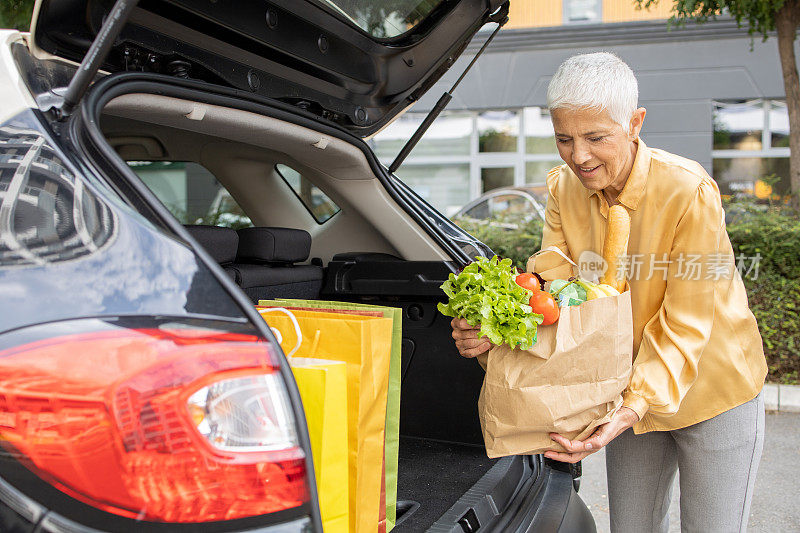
<point x="774" y="295"/>
<point x="772" y="233"/>
<point x="515" y="239"/>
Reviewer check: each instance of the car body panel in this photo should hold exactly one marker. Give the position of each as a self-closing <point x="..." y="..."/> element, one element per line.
<point x="298" y="51"/>
<point x="70" y="248"/>
<point x="65" y="228"/>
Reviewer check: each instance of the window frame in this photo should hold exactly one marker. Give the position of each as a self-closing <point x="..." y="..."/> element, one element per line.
<point x="565" y="14"/>
<point x="767" y="151"/>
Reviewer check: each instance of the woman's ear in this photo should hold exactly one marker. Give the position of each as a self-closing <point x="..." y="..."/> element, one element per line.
<point x="637" y="121"/>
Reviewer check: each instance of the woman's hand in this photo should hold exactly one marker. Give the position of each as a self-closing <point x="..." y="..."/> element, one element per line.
<point x="467" y="339"/>
<point x="623" y="419"/>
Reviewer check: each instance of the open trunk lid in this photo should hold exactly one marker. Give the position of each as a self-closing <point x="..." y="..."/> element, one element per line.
<point x="358" y="63"/>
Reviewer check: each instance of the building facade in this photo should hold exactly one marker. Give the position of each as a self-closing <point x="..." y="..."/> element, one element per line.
<point x="711" y="92"/>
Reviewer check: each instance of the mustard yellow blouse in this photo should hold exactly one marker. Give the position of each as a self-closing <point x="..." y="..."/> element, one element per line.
<point x="697" y="349"/>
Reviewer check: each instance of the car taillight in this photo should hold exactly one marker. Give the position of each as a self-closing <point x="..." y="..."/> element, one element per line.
<point x="180" y="425"/>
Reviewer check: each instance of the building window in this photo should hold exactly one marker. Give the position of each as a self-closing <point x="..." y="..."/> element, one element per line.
<point x="445" y="186"/>
<point x="467" y="153"/>
<point x="539" y="135"/>
<point x="738" y="125"/>
<point x="498" y="131"/>
<point x="752" y="176"/>
<point x="536" y="171"/>
<point x="496" y="177"/>
<point x="448" y="135"/>
<point x="582" y="10"/>
<point x="751" y="148"/>
<point x="778" y="124"/>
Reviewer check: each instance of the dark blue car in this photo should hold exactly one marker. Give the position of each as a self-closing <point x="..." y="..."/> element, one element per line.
<point x="163" y="166"/>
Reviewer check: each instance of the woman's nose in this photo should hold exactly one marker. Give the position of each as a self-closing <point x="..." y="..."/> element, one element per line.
<point x="580" y="154"/>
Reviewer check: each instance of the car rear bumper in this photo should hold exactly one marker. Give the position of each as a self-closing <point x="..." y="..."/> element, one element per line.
<point x="519" y="494"/>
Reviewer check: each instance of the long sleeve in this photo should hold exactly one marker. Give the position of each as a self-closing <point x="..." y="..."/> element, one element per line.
<point x="550" y="265"/>
<point x="673" y="340"/>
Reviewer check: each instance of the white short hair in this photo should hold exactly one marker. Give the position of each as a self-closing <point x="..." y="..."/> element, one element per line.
<point x="599" y="81"/>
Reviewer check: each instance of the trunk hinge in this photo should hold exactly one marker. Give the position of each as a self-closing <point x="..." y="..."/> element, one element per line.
<point x="500" y="17"/>
<point x="95" y="56"/>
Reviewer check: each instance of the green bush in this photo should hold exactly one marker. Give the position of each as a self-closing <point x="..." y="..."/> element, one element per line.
<point x="513" y="238"/>
<point x="16" y="14"/>
<point x="772" y="233"/>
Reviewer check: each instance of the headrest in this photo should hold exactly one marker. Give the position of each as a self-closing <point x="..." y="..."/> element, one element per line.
<point x="273" y="245"/>
<point x="220" y="243"/>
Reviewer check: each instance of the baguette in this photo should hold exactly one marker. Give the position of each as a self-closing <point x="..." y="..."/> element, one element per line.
<point x="616" y="244"/>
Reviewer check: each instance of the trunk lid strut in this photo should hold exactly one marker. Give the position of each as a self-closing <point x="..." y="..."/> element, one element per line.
<point x="500" y="17"/>
<point x="95" y="56"/>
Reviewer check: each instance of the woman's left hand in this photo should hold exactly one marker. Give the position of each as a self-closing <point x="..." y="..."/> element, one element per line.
<point x="623" y="419"/>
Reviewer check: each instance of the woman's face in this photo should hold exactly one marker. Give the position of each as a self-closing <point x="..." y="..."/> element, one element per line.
<point x="595" y="147"/>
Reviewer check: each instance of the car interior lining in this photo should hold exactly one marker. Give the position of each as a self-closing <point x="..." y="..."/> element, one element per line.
<point x="242" y="149"/>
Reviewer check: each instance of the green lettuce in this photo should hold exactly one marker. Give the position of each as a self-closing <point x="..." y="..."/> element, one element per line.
<point x="485" y="293"/>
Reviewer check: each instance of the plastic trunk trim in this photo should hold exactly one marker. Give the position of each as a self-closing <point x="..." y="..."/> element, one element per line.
<point x="123" y="83"/>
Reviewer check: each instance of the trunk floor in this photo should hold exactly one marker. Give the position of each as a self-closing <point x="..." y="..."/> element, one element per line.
<point x="436" y="474"/>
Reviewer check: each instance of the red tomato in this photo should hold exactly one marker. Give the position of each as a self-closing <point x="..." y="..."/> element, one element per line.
<point x="528" y="281"/>
<point x="543" y="303"/>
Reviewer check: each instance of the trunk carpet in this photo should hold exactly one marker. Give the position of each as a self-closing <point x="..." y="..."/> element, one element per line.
<point x="436" y="474"/>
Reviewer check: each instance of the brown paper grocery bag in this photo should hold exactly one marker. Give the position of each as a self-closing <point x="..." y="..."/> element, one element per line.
<point x="569" y="382"/>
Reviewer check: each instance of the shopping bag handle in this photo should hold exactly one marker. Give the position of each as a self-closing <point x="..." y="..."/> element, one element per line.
<point x="557" y="250"/>
<point x="278" y="333"/>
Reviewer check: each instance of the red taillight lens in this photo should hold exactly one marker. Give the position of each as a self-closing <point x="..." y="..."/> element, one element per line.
<point x="178" y="425"/>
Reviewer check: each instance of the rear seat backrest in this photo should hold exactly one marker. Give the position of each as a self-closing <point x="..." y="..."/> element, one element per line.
<point x="273" y="245"/>
<point x="221" y="244"/>
<point x="265" y="264"/>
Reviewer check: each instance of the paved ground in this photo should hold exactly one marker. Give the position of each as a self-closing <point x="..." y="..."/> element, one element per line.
<point x="776" y="503"/>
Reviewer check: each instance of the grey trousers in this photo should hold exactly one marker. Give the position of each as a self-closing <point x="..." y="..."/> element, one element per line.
<point x="717" y="459"/>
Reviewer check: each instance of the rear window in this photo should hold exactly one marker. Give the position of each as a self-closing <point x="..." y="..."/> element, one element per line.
<point x="384" y="19"/>
<point x="321" y="207"/>
<point x="191" y="193"/>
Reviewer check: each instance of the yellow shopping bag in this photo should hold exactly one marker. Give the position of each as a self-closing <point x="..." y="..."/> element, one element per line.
<point x="364" y="343"/>
<point x="393" y="401"/>
<point x="323" y="389"/>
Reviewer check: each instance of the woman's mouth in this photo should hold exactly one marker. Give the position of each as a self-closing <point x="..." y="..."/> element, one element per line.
<point x="588" y="171"/>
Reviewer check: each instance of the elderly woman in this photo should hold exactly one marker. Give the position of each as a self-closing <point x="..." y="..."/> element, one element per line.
<point x="693" y="403"/>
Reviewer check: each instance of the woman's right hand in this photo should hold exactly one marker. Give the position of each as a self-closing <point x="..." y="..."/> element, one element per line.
<point x="468" y="341"/>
